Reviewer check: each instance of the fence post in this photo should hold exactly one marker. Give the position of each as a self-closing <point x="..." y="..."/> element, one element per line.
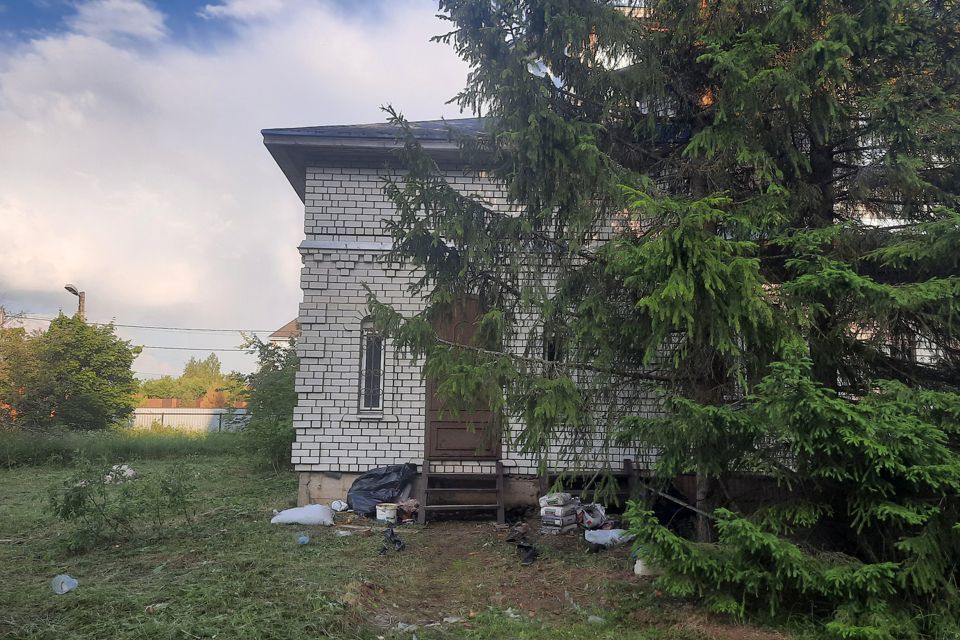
<point x="220" y="423"/>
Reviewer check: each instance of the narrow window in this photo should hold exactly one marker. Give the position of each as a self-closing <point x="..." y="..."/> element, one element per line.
<point x="371" y="367"/>
<point x="553" y="346"/>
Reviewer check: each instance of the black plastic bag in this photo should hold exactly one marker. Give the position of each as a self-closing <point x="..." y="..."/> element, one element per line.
<point x="385" y="484"/>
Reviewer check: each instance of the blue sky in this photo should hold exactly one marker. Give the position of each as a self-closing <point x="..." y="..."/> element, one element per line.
<point x="185" y="20"/>
<point x="134" y="166"/>
<point x="26" y="19"/>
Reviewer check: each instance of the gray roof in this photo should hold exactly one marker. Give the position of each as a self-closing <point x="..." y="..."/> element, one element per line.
<point x="295" y="148"/>
<point x="423" y="130"/>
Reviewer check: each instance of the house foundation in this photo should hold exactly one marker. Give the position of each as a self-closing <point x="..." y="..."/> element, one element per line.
<point x="323" y="487"/>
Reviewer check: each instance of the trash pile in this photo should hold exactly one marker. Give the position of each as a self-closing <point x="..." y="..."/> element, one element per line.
<point x="382" y="486"/>
<point x="381" y="493"/>
<point x="561" y="513"/>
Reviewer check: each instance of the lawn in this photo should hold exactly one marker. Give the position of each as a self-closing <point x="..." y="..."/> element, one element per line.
<point x="234" y="575"/>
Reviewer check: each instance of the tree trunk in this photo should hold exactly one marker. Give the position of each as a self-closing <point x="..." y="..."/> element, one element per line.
<point x="823" y="351"/>
<point x="704" y="388"/>
<point x="704" y="526"/>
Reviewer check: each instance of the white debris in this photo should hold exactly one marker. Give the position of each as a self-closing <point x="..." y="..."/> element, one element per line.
<point x="608" y="537"/>
<point x="63" y="583"/>
<point x="645" y="569"/>
<point x="120" y="473"/>
<point x="310" y="514"/>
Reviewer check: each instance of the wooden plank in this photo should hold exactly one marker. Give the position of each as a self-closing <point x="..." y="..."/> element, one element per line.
<point x="461" y="489"/>
<point x="461" y="507"/>
<point x="501" y="516"/>
<point x="424" y="483"/>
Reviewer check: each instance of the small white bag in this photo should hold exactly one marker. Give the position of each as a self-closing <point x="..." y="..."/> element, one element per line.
<point x="608" y="537"/>
<point x="310" y="514"/>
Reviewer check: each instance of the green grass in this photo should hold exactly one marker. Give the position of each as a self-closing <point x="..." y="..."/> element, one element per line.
<point x="27" y="448"/>
<point x="233" y="575"/>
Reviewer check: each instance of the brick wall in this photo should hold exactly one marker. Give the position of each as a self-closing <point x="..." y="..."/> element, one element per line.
<point x="344" y="213"/>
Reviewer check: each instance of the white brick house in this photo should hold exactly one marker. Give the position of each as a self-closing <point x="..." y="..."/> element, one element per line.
<point x="360" y="404"/>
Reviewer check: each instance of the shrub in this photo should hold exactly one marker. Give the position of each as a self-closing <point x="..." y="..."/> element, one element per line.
<point x="877" y="479"/>
<point x="270" y="439"/>
<point x="100" y="506"/>
<point x="269" y="433"/>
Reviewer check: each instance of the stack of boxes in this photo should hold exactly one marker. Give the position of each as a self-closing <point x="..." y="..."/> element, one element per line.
<point x="558" y="513"/>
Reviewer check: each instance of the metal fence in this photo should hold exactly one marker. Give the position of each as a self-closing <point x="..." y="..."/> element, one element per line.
<point x="199" y="420"/>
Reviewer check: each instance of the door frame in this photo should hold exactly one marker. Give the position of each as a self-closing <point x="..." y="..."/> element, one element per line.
<point x="494" y="426"/>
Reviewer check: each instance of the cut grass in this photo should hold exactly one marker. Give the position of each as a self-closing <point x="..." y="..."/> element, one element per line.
<point x="236" y="576"/>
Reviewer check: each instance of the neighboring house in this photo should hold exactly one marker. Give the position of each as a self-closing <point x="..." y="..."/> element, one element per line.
<point x="361" y="405"/>
<point x="282" y="336"/>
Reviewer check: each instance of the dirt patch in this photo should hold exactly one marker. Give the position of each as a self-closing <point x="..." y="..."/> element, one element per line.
<point x="682" y="616"/>
<point x="463" y="568"/>
<point x="700" y="623"/>
<point x="473" y="568"/>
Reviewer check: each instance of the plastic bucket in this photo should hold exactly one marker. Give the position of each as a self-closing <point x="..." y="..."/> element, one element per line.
<point x="387" y="512"/>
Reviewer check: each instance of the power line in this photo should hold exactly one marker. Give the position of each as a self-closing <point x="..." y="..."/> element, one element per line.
<point x="144" y="346"/>
<point x="170" y="348"/>
<point x="159" y="328"/>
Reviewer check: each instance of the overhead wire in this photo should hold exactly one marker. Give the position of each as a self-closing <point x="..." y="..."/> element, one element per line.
<point x="160" y="328"/>
<point x="146" y="346"/>
<point x="163" y="328"/>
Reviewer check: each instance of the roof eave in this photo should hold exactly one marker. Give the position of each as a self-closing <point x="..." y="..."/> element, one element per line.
<point x="294" y="153"/>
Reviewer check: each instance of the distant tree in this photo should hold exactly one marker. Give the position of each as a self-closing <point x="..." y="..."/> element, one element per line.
<point x="234" y="387"/>
<point x="19" y="373"/>
<point x="201" y="383"/>
<point x="73" y="374"/>
<point x="90" y="368"/>
<point x="162" y="387"/>
<point x="200" y="376"/>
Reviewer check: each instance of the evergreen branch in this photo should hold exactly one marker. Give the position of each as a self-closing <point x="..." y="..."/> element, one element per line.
<point x="626" y="373"/>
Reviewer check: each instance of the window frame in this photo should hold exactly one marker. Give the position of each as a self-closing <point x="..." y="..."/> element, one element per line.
<point x="367" y="331"/>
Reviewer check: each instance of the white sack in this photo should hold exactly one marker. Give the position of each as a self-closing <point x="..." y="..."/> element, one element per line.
<point x="608" y="537"/>
<point x="310" y="514"/>
<point x="555" y="499"/>
<point x="646" y="570"/>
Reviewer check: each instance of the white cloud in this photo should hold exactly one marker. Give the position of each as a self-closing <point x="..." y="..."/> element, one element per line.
<point x="110" y="18"/>
<point x="140" y="173"/>
<point x="243" y="9"/>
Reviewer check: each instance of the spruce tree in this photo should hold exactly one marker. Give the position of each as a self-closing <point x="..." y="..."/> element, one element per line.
<point x="750" y="206"/>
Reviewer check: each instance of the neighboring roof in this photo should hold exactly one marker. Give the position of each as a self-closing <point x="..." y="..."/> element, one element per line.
<point x="296" y="147"/>
<point x="287" y="331"/>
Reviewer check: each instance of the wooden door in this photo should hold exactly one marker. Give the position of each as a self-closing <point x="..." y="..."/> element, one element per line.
<point x="472" y="432"/>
